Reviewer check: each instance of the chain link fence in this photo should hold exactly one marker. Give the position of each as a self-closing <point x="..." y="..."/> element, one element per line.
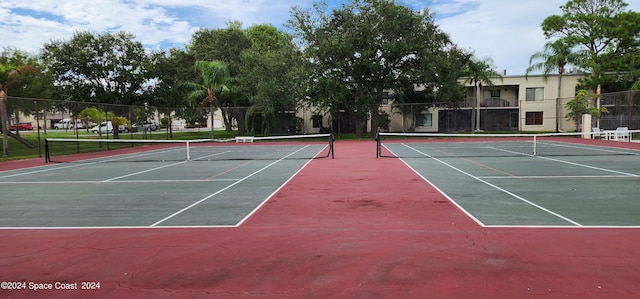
<point x="495" y="114"/>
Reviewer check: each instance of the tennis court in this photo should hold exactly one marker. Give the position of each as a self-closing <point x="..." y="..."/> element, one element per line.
<point x="516" y="181"/>
<point x="355" y="226"/>
<point x="151" y="183"/>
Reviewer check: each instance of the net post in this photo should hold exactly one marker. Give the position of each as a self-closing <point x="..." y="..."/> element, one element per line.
<point x="188" y="154"/>
<point x="535" y="145"/>
<point x="378" y="145"/>
<point x="47" y="157"/>
<point x="331" y="140"/>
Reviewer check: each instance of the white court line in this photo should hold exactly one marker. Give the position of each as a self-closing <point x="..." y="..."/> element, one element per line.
<point x="148" y="153"/>
<point x="144" y="171"/>
<point x="225" y="188"/>
<point x="441" y="192"/>
<point x="496" y="187"/>
<point x="117" y="182"/>
<point x="276" y="191"/>
<point x="109" y="227"/>
<point x="598" y="148"/>
<point x="44" y="170"/>
<point x="553" y="177"/>
<point x="564" y="226"/>
<point x="568" y="162"/>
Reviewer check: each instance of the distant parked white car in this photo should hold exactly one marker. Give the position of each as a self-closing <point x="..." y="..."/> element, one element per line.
<point x="104" y="127"/>
<point x="68" y="123"/>
<point x="107" y="127"/>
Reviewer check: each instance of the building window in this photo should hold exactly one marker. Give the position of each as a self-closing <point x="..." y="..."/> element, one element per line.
<point x="495" y="93"/>
<point x="424" y="120"/>
<point x="385" y="98"/>
<point x="535" y="94"/>
<point x="534" y="118"/>
<point x="317" y="121"/>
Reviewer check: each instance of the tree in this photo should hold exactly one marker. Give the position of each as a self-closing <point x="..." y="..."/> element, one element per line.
<point x="479" y="72"/>
<point x="555" y="56"/>
<point x="602" y="31"/>
<point x="32" y="84"/>
<point x="225" y="45"/>
<point x="11" y="76"/>
<point x="215" y="75"/>
<point x="272" y="52"/>
<point x="580" y="105"/>
<point x="106" y="68"/>
<point x="366" y="47"/>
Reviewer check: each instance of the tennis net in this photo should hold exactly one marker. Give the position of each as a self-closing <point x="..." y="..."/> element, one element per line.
<point x="414" y="145"/>
<point x="239" y="148"/>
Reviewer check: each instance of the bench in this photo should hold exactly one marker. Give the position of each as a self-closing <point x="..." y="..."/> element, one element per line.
<point x="619" y="134"/>
<point x="622" y="134"/>
<point x="244" y="139"/>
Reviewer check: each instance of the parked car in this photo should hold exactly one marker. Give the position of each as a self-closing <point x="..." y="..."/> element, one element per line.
<point x="104" y="127"/>
<point x="22" y="127"/>
<point x="146" y="126"/>
<point x="68" y="123"/>
<point x="107" y="127"/>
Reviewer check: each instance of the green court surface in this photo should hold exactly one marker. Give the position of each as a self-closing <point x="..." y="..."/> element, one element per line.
<point x="94" y="193"/>
<point x="588" y="186"/>
<point x="522" y="189"/>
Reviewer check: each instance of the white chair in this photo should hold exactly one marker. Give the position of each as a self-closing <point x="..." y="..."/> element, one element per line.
<point x="622" y="134"/>
<point x="597" y="134"/>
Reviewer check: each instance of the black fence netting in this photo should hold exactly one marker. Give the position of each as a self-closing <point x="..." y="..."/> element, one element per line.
<point x="70" y="119"/>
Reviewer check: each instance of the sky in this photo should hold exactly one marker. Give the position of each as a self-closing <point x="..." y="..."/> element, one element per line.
<point x="506" y="31"/>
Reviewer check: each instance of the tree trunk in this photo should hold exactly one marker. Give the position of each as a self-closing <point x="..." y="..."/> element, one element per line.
<point x="240" y="115"/>
<point x="473" y="108"/>
<point x="227" y="117"/>
<point x="478" y="94"/>
<point x="3" y="123"/>
<point x="558" y="102"/>
<point x="212" y="120"/>
<point x="357" y="120"/>
<point x="375" y="119"/>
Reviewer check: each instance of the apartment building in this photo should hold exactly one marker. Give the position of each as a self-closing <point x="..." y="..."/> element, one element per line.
<point x="515" y="103"/>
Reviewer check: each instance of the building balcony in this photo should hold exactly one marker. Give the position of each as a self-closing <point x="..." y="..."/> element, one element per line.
<point x="491" y="103"/>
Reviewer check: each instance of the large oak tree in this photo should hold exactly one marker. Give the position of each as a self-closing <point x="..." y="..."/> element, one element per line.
<point x="367" y="47"/>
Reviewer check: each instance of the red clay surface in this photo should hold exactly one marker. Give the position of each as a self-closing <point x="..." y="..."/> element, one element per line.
<point x="351" y="227"/>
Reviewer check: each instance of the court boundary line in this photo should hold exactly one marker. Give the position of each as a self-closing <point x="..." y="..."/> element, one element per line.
<point x="556" y="176"/>
<point x="476" y="220"/>
<point x="224" y="189"/>
<point x="143" y="171"/>
<point x="495" y="187"/>
<point x="594" y="147"/>
<point x="275" y="191"/>
<point x="44" y="170"/>
<point x="564" y="226"/>
<point x="115" y="182"/>
<point x="566" y="162"/>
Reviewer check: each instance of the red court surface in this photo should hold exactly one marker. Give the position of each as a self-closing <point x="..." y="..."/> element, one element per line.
<point x="350" y="227"/>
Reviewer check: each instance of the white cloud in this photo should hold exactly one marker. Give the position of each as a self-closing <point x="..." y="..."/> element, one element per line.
<point x="508" y="31"/>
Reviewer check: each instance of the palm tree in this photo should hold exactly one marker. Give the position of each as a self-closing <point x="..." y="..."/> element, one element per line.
<point x="555" y="56"/>
<point x="10" y="76"/>
<point x="479" y="72"/>
<point x="215" y="75"/>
